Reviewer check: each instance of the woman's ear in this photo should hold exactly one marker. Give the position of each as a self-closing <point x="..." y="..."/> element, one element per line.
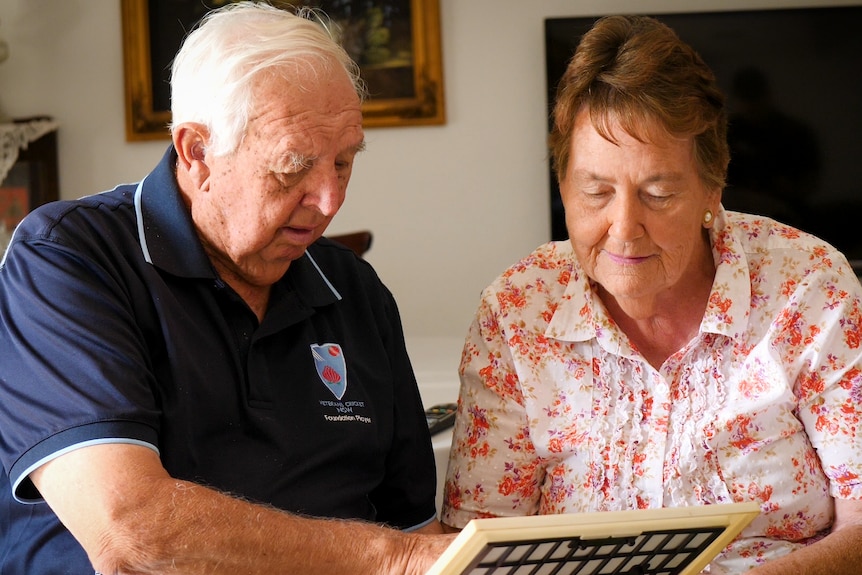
<point x="715" y="201"/>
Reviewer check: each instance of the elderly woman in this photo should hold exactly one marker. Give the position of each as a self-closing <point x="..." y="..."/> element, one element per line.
<point x="671" y="353"/>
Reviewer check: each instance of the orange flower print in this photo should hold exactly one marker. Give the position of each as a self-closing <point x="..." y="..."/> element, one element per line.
<point x="754" y="492"/>
<point x="560" y="488"/>
<point x="513" y="298"/>
<point x="518" y="480"/>
<point x="564" y="277"/>
<point x="846" y="479"/>
<point x="507" y="485"/>
<point x="852" y="337"/>
<point x="788" y="287"/>
<point x="520" y="443"/>
<point x="811" y="384"/>
<point x="791" y="527"/>
<point x="787" y="232"/>
<point x="794" y="333"/>
<point x="722" y="304"/>
<point x="475" y="441"/>
<point x="754" y="386"/>
<point x="507" y="386"/>
<point x="555" y="445"/>
<point x="452" y="493"/>
<point x="851" y="324"/>
<point x="742" y="437"/>
<point x="820" y="253"/>
<point x="852" y="380"/>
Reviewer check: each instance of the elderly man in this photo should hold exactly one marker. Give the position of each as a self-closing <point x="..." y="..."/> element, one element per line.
<point x="189" y="375"/>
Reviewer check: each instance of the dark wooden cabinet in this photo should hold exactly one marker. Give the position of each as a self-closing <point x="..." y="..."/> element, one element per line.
<point x="33" y="178"/>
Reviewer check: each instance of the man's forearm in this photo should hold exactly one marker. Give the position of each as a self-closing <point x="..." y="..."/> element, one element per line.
<point x="198" y="530"/>
<point x="132" y="517"/>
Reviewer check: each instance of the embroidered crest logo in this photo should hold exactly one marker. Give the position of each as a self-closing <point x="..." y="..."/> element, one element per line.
<point x="331" y="368"/>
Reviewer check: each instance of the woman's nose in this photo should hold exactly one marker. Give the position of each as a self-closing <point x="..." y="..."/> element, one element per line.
<point x="625" y="218"/>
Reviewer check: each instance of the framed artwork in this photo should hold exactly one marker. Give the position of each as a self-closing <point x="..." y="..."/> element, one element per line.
<point x="395" y="42"/>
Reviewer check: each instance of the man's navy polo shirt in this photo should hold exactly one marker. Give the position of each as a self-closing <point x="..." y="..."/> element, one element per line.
<point x="107" y="338"/>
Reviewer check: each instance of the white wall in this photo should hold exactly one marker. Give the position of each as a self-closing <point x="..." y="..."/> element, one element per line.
<point x="450" y="206"/>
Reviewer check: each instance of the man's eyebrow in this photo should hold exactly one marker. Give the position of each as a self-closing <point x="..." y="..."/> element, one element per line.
<point x="297" y="161"/>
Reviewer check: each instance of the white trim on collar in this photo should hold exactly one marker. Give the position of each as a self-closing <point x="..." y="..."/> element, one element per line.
<point x="139" y="213"/>
<point x="323" y="276"/>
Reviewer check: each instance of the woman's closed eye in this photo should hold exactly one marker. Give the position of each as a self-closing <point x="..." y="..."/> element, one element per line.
<point x="657" y="196"/>
<point x="597" y="195"/>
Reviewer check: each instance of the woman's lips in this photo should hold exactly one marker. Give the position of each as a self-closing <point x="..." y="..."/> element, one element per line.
<point x="626" y="260"/>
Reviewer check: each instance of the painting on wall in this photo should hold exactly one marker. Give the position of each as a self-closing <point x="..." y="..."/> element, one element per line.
<point x="395" y="42"/>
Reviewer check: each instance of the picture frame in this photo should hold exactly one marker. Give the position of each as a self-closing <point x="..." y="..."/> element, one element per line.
<point x="659" y="541"/>
<point x="402" y="67"/>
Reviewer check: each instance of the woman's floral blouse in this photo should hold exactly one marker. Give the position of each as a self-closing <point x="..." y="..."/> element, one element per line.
<point x="559" y="413"/>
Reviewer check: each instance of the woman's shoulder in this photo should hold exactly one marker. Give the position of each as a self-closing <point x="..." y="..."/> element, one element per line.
<point x="544" y="273"/>
<point x="759" y="233"/>
<point x="770" y="244"/>
<point x="547" y="259"/>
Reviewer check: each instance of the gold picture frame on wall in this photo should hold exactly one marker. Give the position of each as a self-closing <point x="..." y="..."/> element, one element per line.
<point x="396" y="43"/>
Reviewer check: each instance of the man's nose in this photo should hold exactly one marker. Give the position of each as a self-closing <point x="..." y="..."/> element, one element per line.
<point x="324" y="194"/>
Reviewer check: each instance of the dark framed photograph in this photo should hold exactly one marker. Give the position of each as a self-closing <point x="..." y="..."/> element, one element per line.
<point x="395" y="42"/>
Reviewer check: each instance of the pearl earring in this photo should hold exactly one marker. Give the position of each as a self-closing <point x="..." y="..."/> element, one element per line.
<point x="707" y="217"/>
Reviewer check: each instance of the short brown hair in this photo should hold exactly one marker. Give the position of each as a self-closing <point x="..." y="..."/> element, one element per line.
<point x="635" y="70"/>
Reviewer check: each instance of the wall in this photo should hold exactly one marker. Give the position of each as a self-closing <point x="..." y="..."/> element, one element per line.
<point x="450" y="206"/>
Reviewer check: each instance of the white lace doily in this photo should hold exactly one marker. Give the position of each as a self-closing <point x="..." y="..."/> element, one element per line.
<point x="17" y="136"/>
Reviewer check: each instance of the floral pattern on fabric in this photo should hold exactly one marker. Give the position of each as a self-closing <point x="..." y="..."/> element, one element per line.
<point x="559" y="413"/>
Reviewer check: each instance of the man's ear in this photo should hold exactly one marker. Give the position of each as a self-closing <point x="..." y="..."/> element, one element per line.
<point x="190" y="141"/>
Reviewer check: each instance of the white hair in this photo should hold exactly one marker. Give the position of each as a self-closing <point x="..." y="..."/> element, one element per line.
<point x="214" y="72"/>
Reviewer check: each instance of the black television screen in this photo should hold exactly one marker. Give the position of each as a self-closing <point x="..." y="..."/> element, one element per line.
<point x="799" y="157"/>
